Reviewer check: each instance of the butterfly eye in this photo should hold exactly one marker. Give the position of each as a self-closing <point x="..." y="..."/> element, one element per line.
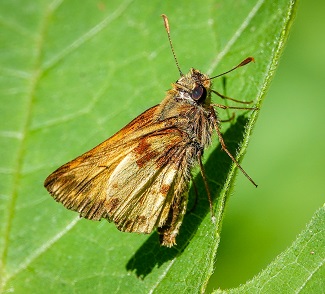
<point x="198" y="93"/>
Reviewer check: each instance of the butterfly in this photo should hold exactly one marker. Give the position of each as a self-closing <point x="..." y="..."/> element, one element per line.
<point x="139" y="178"/>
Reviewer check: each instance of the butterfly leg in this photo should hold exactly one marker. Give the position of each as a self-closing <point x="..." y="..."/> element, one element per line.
<point x="224" y="147"/>
<point x="229" y="98"/>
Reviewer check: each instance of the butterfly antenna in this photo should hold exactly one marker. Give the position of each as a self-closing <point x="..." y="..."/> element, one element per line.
<point x="244" y="62"/>
<point x="170" y="42"/>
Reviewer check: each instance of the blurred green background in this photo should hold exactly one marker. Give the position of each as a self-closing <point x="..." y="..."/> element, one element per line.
<point x="285" y="157"/>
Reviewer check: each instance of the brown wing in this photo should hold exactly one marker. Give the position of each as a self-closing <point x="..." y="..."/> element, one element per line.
<point x="132" y="178"/>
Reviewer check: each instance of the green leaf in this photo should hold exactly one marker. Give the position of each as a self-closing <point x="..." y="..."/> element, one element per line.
<point x="299" y="269"/>
<point x="72" y="74"/>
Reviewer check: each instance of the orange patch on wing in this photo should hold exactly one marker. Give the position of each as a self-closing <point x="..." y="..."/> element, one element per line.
<point x="145" y="152"/>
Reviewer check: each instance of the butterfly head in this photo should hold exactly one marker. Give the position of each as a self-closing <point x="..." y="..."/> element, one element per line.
<point x="195" y="87"/>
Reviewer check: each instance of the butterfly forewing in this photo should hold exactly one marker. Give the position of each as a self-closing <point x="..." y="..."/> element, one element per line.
<point x="81" y="184"/>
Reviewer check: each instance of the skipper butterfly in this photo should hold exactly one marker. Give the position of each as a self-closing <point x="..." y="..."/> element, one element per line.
<point x="139" y="178"/>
